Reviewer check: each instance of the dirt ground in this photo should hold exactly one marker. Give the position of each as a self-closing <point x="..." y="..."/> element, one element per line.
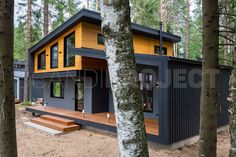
<point x="90" y="143"/>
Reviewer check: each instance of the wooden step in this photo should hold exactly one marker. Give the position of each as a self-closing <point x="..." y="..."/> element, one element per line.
<point x="57" y="120"/>
<point x="56" y="126"/>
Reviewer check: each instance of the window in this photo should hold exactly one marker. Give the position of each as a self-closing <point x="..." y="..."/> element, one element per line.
<point x="157" y="50"/>
<point x="57" y="90"/>
<point x="69" y="57"/>
<point x="100" y="39"/>
<point x="42" y="60"/>
<point x="54" y="56"/>
<point x="146" y="86"/>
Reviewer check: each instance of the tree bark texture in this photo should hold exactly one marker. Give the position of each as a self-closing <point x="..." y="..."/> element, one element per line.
<point x="232" y="109"/>
<point x="97" y="6"/>
<point x="26" y="92"/>
<point x="187" y="29"/>
<point x="45" y="21"/>
<point x="116" y="27"/>
<point x="210" y="79"/>
<point x="87" y="4"/>
<point x="8" y="146"/>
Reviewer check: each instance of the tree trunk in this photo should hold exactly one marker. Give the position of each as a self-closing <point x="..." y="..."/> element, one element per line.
<point x="226" y="23"/>
<point x="45" y="21"/>
<point x="26" y="94"/>
<point x="210" y="79"/>
<point x="116" y="26"/>
<point x="165" y="17"/>
<point x="97" y="6"/>
<point x="232" y="109"/>
<point x="8" y="146"/>
<point x="87" y="4"/>
<point x="187" y="29"/>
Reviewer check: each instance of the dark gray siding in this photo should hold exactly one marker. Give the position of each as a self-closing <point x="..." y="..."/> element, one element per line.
<point x="15" y="88"/>
<point x="223" y="117"/>
<point x="100" y="93"/>
<point x="68" y="102"/>
<point x="184" y="102"/>
<point x="21" y="89"/>
<point x="37" y="89"/>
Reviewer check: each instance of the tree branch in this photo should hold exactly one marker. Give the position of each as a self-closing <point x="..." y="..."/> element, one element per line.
<point x="227" y="38"/>
<point x="228" y="14"/>
<point x="226" y="44"/>
<point x="225" y="31"/>
<point x="228" y="27"/>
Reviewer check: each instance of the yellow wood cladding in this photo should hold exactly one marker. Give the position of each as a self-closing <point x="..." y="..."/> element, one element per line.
<point x="142" y="44"/>
<point x="86" y="37"/>
<point x="78" y="59"/>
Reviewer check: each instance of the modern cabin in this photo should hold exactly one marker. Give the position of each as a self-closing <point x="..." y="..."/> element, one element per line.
<point x="71" y="63"/>
<point x="19" y="74"/>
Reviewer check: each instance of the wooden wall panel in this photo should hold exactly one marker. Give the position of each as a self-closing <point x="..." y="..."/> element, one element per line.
<point x="142" y="44"/>
<point x="78" y="64"/>
<point x="86" y="36"/>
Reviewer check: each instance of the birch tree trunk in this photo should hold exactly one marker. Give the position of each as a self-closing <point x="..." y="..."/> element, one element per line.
<point x="116" y="27"/>
<point x="26" y="93"/>
<point x="7" y="103"/>
<point x="210" y="79"/>
<point x="232" y="109"/>
<point x="97" y="6"/>
<point x="187" y="29"/>
<point x="45" y="21"/>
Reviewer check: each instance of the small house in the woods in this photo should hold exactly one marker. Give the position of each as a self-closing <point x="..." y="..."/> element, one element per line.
<point x="19" y="74"/>
<point x="72" y="64"/>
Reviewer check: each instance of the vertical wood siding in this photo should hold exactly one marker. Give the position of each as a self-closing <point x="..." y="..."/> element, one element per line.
<point x="184" y="103"/>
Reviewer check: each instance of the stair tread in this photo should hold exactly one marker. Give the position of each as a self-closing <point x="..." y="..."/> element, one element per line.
<point x="57" y="119"/>
<point x="55" y="125"/>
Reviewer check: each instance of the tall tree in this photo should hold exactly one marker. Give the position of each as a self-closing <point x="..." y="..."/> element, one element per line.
<point x="232" y="109"/>
<point x="210" y="78"/>
<point x="87" y="6"/>
<point x="26" y="93"/>
<point x="46" y="19"/>
<point x="123" y="76"/>
<point x="187" y="28"/>
<point x="8" y="146"/>
<point x="97" y="6"/>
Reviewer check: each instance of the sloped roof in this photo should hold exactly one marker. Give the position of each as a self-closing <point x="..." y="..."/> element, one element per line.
<point x="95" y="18"/>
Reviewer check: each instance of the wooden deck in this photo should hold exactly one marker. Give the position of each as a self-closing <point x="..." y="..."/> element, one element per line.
<point x="152" y="125"/>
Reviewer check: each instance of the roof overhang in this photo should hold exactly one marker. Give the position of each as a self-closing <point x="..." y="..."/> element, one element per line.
<point x="95" y="18"/>
<point x="145" y="59"/>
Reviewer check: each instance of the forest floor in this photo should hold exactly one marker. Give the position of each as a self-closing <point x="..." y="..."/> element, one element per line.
<point x="90" y="143"/>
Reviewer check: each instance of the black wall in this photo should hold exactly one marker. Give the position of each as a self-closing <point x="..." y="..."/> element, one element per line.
<point x="184" y="103"/>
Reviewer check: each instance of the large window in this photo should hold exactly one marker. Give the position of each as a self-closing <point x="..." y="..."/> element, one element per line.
<point x="157" y="50"/>
<point x="69" y="57"/>
<point x="146" y="86"/>
<point x="57" y="90"/>
<point x="42" y="60"/>
<point x="54" y="56"/>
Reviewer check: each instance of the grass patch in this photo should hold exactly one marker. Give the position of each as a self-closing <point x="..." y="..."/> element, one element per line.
<point x="27" y="103"/>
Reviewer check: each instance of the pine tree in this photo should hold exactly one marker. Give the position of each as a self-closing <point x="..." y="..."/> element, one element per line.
<point x="210" y="79"/>
<point x="46" y="16"/>
<point x="8" y="146"/>
<point x="28" y="27"/>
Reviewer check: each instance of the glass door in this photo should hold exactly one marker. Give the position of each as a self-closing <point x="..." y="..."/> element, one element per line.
<point x="79" y="95"/>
